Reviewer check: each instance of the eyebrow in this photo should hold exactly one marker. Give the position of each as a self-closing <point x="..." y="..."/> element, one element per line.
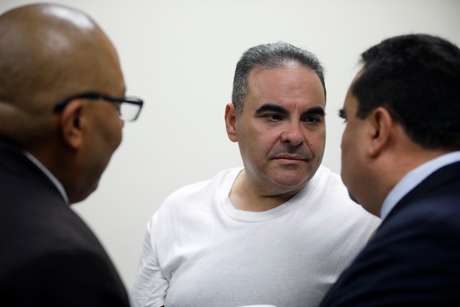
<point x="315" y="110"/>
<point x="270" y="107"/>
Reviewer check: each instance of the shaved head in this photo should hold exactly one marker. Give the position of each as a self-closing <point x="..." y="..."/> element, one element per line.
<point x="49" y="51"/>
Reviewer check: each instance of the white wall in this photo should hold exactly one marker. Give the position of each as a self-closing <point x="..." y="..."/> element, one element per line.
<point x="180" y="56"/>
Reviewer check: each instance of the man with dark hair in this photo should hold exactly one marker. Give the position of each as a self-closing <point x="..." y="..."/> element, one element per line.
<point x="61" y="112"/>
<point x="277" y="231"/>
<point x="401" y="161"/>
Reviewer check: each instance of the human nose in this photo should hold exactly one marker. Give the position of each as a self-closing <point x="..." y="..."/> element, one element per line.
<point x="292" y="134"/>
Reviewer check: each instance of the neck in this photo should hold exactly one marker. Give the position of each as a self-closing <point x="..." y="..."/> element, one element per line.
<point x="247" y="195"/>
<point x="395" y="168"/>
<point x="56" y="161"/>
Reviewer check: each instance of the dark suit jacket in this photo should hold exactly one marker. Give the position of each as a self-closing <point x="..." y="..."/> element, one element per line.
<point x="414" y="257"/>
<point x="48" y="256"/>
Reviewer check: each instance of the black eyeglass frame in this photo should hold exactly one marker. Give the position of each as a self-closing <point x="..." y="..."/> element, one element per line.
<point x="59" y="106"/>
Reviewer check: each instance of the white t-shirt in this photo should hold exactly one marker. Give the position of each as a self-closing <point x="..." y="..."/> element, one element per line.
<point x="201" y="251"/>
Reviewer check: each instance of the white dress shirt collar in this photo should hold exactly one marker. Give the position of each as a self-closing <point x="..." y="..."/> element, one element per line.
<point x="413" y="178"/>
<point x="48" y="174"/>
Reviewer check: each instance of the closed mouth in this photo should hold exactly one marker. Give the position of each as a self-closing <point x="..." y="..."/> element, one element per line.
<point x="290" y="157"/>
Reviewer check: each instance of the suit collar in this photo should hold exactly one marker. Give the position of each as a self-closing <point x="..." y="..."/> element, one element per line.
<point x="437" y="179"/>
<point x="414" y="178"/>
<point x="48" y="174"/>
<point x="23" y="158"/>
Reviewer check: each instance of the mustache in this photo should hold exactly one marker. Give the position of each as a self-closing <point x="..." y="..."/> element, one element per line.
<point x="300" y="153"/>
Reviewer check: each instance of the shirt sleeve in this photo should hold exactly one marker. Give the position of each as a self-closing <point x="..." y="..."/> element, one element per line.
<point x="150" y="285"/>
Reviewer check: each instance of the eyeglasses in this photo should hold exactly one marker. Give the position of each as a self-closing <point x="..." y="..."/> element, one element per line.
<point x="128" y="108"/>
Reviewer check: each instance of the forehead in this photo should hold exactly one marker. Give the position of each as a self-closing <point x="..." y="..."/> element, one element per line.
<point x="107" y="72"/>
<point x="289" y="85"/>
<point x="115" y="79"/>
<point x="350" y="105"/>
<point x="349" y="96"/>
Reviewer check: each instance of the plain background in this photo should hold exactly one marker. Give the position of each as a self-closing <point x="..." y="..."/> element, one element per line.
<point x="180" y="56"/>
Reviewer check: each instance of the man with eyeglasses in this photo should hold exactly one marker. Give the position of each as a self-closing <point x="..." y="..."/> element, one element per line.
<point x="62" y="112"/>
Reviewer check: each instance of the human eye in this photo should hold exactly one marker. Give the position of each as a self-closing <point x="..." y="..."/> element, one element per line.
<point x="274" y="117"/>
<point x="271" y="113"/>
<point x="312" y="119"/>
<point x="343" y="115"/>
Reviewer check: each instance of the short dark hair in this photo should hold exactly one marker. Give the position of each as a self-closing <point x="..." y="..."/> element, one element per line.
<point x="416" y="78"/>
<point x="270" y="56"/>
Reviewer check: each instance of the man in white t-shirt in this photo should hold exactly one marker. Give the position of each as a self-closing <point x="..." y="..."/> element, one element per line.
<point x="277" y="231"/>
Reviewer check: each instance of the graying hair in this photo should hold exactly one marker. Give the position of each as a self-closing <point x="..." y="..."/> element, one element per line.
<point x="272" y="55"/>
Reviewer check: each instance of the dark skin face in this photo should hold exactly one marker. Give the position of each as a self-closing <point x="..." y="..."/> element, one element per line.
<point x="47" y="53"/>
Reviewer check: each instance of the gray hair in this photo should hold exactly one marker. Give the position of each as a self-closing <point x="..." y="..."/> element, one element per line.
<point x="272" y="55"/>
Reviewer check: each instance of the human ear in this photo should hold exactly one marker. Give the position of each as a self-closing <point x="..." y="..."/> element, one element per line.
<point x="72" y="123"/>
<point x="381" y="124"/>
<point x="230" y="122"/>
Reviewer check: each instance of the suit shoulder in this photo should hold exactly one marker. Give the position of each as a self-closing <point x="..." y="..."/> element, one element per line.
<point x="43" y="230"/>
<point x="64" y="277"/>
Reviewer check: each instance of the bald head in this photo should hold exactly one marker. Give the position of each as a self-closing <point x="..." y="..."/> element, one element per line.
<point x="48" y="52"/>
